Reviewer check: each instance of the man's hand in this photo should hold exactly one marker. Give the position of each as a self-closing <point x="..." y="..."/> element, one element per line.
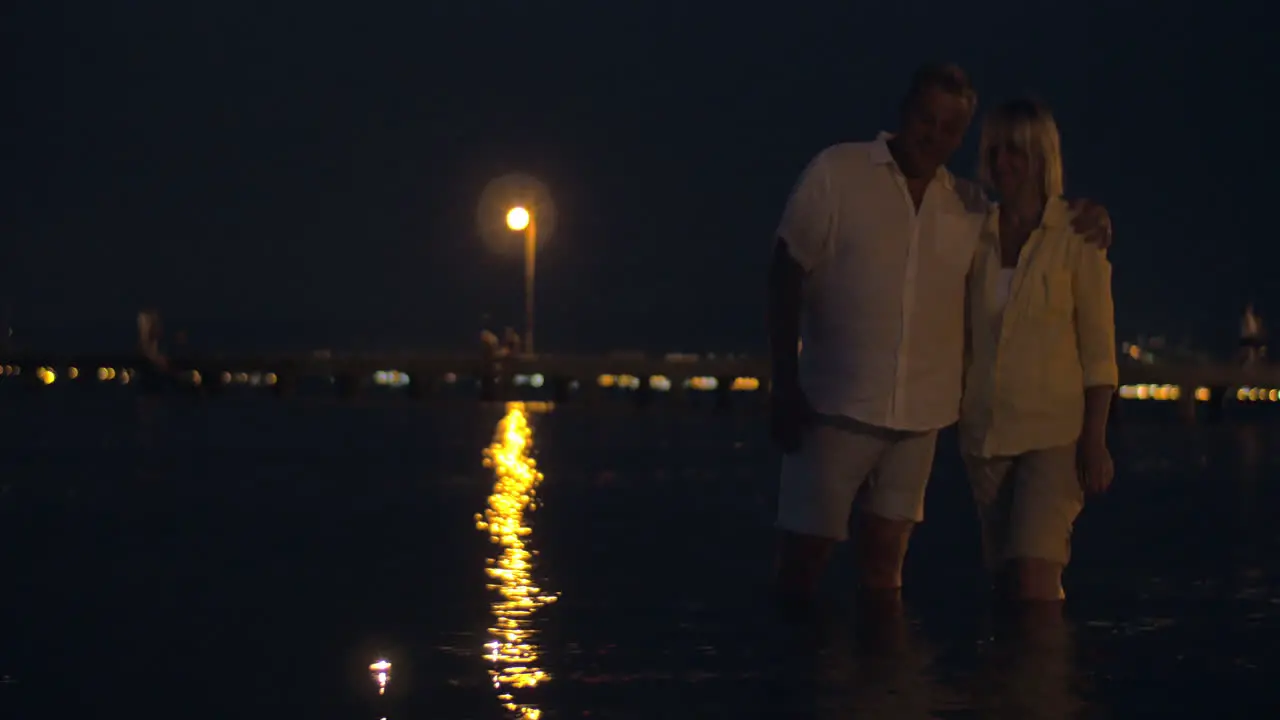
<point x="1095" y="466"/>
<point x="789" y="414"/>
<point x="1092" y="221"/>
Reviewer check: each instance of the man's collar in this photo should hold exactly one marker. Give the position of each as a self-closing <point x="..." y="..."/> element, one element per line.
<point x="880" y="155"/>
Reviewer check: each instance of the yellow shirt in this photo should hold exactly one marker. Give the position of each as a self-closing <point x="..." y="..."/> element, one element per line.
<point x="1031" y="358"/>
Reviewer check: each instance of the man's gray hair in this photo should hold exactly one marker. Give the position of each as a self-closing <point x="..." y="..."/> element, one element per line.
<point x="947" y="77"/>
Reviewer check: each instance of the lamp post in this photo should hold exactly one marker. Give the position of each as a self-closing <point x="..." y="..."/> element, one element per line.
<point x="521" y="219"/>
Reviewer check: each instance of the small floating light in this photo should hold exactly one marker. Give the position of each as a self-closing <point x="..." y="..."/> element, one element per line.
<point x="381" y="672"/>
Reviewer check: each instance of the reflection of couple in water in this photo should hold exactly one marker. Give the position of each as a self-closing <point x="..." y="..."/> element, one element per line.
<point x="878" y="666"/>
<point x="923" y="304"/>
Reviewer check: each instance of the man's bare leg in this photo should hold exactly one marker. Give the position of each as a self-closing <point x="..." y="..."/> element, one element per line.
<point x="881" y="620"/>
<point x="881" y="547"/>
<point x="802" y="559"/>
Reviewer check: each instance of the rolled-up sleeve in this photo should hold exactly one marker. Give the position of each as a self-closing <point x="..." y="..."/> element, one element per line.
<point x="1095" y="318"/>
<point x="806" y="220"/>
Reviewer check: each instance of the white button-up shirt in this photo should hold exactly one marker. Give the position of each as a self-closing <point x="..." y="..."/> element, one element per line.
<point x="882" y="324"/>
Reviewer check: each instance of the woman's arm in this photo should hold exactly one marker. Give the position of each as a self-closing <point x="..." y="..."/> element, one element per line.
<point x="1096" y="338"/>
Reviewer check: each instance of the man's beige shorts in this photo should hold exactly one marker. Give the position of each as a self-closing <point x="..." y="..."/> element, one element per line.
<point x="837" y="456"/>
<point x="1027" y="504"/>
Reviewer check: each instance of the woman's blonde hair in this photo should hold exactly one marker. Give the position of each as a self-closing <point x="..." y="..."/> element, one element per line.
<point x="1028" y="126"/>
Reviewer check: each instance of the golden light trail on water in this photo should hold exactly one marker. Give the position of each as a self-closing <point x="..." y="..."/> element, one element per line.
<point x="511" y="648"/>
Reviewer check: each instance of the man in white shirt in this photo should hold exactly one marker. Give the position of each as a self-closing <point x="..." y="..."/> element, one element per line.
<point x="869" y="271"/>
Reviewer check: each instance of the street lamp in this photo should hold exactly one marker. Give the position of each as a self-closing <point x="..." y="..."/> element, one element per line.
<point x="520" y="219"/>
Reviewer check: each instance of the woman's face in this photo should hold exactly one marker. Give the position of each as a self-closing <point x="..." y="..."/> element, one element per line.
<point x="1013" y="170"/>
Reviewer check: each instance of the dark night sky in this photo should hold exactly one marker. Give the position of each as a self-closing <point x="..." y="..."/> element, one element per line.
<point x="272" y="174"/>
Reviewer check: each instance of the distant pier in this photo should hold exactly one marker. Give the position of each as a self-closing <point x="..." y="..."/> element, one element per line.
<point x="726" y="381"/>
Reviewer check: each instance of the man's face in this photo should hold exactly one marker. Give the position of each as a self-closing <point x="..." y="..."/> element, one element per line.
<point x="933" y="126"/>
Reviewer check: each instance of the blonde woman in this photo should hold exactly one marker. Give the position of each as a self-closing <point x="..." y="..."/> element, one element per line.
<point x="1041" y="367"/>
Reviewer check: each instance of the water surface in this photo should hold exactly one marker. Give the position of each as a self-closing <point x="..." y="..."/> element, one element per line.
<point x="249" y="558"/>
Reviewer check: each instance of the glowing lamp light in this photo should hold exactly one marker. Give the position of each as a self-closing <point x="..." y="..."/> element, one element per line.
<point x="517" y="218"/>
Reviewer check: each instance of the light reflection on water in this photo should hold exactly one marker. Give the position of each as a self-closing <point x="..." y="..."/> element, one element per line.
<point x="512" y="648"/>
<point x="381" y="672"/>
<point x="1176" y="590"/>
